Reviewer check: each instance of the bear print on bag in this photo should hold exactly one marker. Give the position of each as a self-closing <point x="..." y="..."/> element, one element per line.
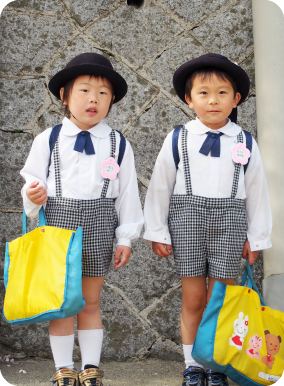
<point x="272" y="346"/>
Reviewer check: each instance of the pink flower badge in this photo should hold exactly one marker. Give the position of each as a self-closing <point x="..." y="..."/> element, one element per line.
<point x="110" y="169"/>
<point x="240" y="153"/>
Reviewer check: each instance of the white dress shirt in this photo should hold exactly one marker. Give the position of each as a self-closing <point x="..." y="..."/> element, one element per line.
<point x="210" y="177"/>
<point x="81" y="175"/>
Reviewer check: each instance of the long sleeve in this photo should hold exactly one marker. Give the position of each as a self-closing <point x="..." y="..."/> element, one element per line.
<point x="127" y="204"/>
<point x="257" y="203"/>
<point x="35" y="169"/>
<point x="161" y="187"/>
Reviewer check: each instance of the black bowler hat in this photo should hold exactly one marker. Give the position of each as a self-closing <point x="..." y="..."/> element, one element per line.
<point x="89" y="63"/>
<point x="216" y="61"/>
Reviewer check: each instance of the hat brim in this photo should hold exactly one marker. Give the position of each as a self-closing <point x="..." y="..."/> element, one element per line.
<point x="238" y="74"/>
<point x="118" y="82"/>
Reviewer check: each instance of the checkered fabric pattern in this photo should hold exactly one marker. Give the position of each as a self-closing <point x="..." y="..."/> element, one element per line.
<point x="97" y="217"/>
<point x="207" y="234"/>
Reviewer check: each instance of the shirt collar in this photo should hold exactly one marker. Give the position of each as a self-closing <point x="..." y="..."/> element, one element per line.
<point x="197" y="127"/>
<point x="101" y="130"/>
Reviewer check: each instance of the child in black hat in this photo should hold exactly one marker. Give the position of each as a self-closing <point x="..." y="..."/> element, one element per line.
<point x="208" y="197"/>
<point x="89" y="181"/>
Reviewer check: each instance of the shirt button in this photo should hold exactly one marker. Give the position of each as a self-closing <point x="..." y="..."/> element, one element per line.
<point x="257" y="245"/>
<point x="84" y="190"/>
<point x="165" y="238"/>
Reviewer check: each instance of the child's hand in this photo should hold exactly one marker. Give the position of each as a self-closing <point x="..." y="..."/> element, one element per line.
<point x="37" y="194"/>
<point x="161" y="249"/>
<point x="121" y="256"/>
<point x="247" y="253"/>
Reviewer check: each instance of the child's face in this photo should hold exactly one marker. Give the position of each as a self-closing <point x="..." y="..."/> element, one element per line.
<point x="89" y="101"/>
<point x="213" y="100"/>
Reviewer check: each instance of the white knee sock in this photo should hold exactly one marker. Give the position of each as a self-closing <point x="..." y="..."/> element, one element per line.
<point x="189" y="361"/>
<point x="62" y="350"/>
<point x="90" y="342"/>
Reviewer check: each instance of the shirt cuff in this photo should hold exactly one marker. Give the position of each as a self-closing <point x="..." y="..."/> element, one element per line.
<point x="149" y="237"/>
<point x="31" y="209"/>
<point x="260" y="245"/>
<point x="124" y="242"/>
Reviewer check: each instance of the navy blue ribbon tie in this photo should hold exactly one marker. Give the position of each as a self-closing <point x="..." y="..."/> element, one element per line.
<point x="84" y="141"/>
<point x="212" y="142"/>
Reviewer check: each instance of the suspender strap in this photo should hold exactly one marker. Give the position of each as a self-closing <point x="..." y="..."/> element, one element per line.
<point x="249" y="146"/>
<point x="175" y="145"/>
<point x="240" y="139"/>
<point x="52" y="140"/>
<point x="186" y="169"/>
<point x="56" y="159"/>
<point x="112" y="150"/>
<point x="122" y="147"/>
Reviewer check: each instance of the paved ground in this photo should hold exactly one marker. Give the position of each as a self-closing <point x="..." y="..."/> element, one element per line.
<point x="150" y="372"/>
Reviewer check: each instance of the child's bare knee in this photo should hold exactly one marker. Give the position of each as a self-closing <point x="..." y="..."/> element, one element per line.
<point x="193" y="304"/>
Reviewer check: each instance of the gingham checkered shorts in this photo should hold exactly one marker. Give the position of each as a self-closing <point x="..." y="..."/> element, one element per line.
<point x="207" y="234"/>
<point x="97" y="217"/>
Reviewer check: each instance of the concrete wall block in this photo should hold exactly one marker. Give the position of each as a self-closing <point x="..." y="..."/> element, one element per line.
<point x="146" y="277"/>
<point x="196" y="10"/>
<point x="166" y="350"/>
<point x="136" y="35"/>
<point x="140" y="93"/>
<point x="88" y="10"/>
<point x="124" y="333"/>
<point x="38" y="5"/>
<point x="247" y="115"/>
<point x="228" y="33"/>
<point x="149" y="133"/>
<point x="14" y="148"/>
<point x="165" y="316"/>
<point x="29" y="41"/>
<point x="162" y="70"/>
<point x="49" y="118"/>
<point x="19" y="107"/>
<point x="248" y="65"/>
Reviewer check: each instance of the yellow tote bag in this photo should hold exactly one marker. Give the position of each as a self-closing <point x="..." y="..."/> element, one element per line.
<point x="240" y="336"/>
<point x="43" y="274"/>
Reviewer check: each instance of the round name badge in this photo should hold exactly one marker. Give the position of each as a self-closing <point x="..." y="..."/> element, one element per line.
<point x="110" y="169"/>
<point x="240" y="154"/>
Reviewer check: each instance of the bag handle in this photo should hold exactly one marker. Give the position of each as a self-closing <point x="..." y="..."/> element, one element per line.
<point x="248" y="274"/>
<point x="42" y="220"/>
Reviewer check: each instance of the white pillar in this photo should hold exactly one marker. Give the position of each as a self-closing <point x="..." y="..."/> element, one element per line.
<point x="268" y="29"/>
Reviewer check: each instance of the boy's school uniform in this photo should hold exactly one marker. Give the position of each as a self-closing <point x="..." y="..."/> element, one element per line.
<point x="207" y="177"/>
<point x="78" y="195"/>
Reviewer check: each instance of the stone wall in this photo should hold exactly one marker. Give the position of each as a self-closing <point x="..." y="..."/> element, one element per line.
<point x="141" y="302"/>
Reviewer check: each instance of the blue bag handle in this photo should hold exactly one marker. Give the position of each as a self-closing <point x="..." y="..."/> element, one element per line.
<point x="249" y="146"/>
<point x="42" y="220"/>
<point x="248" y="274"/>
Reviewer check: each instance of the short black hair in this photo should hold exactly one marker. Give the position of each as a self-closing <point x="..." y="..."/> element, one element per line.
<point x="67" y="92"/>
<point x="207" y="72"/>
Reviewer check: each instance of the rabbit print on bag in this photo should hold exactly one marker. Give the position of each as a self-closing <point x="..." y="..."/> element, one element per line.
<point x="240" y="331"/>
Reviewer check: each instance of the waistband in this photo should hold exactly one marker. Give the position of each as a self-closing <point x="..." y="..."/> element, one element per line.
<point x="73" y="203"/>
<point x="179" y="200"/>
